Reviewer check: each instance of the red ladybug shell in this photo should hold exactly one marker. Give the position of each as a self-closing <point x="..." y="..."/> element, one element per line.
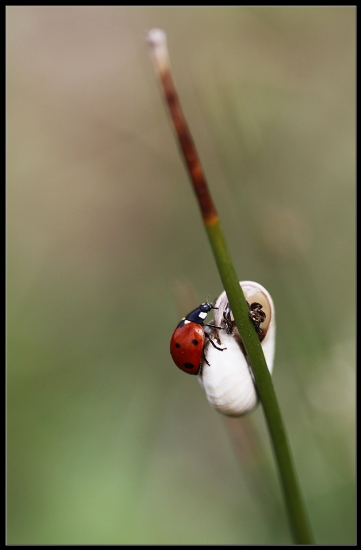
<point x="186" y="346"/>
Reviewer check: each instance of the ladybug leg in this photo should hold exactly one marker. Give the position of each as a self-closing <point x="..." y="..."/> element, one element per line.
<point x="209" y="330"/>
<point x="204" y="358"/>
<point x="210" y="325"/>
<point x="213" y="344"/>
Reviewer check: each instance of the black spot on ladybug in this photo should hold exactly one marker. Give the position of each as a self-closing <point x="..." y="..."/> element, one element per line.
<point x="195" y="342"/>
<point x="177" y="345"/>
<point x="188" y="366"/>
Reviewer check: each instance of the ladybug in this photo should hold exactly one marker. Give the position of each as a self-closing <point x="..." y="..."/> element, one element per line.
<point x="189" y="338"/>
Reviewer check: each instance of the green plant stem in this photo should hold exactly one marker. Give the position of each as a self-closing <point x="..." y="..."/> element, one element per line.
<point x="292" y="495"/>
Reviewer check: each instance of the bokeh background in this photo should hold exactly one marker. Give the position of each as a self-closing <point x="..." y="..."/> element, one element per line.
<point x="107" y="441"/>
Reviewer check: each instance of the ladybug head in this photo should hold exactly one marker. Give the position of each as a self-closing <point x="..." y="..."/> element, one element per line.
<point x="206" y="307"/>
<point x="199" y="314"/>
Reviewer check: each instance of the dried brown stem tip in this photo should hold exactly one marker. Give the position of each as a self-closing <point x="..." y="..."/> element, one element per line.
<point x="157" y="43"/>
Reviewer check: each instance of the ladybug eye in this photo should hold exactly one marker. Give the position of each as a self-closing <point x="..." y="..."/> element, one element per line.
<point x="228" y="380"/>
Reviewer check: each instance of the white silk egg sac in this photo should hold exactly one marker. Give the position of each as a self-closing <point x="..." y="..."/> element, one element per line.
<point x="228" y="379"/>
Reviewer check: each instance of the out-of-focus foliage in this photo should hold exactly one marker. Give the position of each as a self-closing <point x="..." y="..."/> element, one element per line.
<point x="108" y="442"/>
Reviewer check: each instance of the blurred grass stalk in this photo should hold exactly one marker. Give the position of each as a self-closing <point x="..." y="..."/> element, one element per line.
<point x="294" y="503"/>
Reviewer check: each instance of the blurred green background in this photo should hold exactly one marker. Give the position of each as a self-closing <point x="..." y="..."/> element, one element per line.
<point x="107" y="441"/>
